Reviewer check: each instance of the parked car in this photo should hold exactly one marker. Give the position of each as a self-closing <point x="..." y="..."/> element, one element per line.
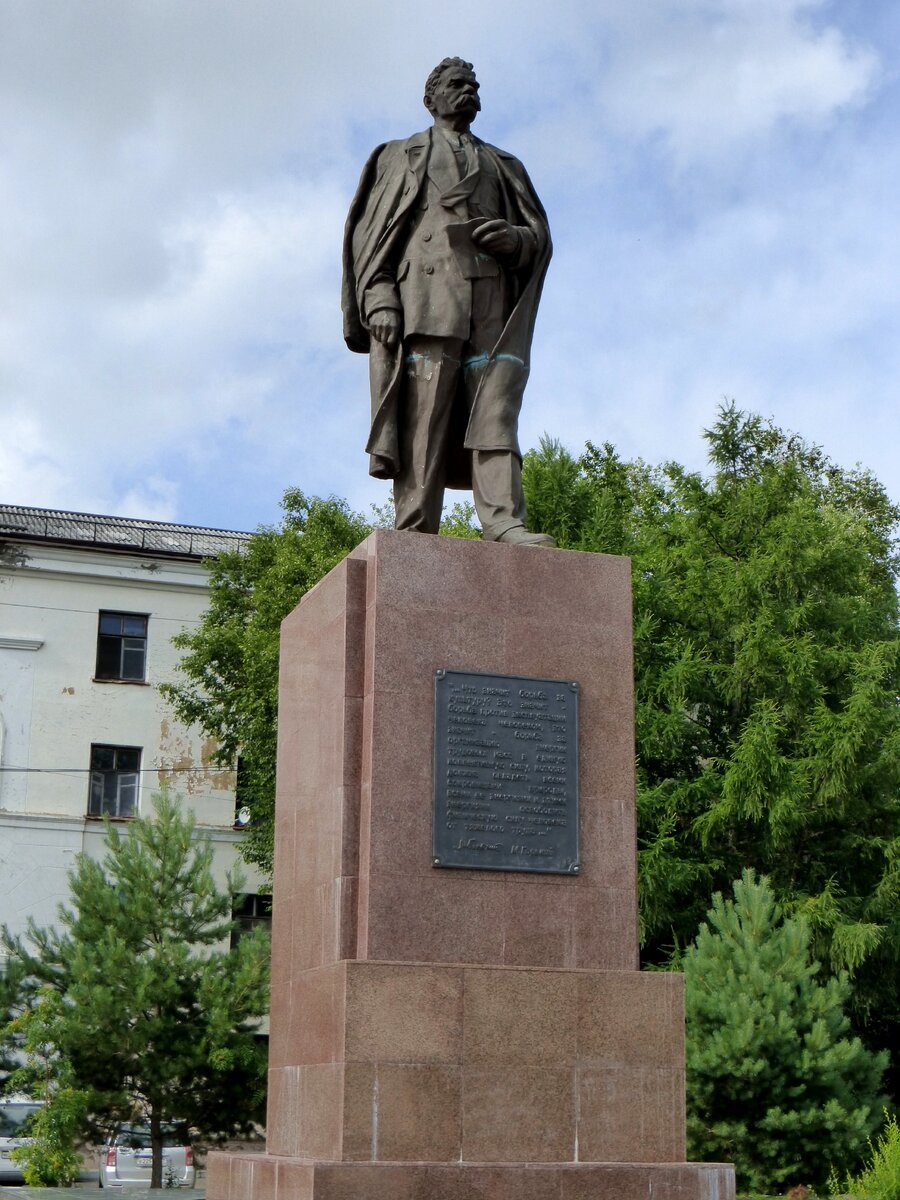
<point x="15" y="1117"/>
<point x="126" y="1158"/>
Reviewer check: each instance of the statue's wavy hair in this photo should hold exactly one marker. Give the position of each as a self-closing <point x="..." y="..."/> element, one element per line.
<point x="435" y="77"/>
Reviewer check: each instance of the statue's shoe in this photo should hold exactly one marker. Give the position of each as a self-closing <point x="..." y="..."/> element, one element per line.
<point x="519" y="536"/>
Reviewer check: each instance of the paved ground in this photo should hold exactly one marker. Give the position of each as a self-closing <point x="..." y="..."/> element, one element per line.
<point x="90" y="1191"/>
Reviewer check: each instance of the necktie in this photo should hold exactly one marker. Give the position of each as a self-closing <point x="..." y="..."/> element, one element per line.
<point x="466" y="186"/>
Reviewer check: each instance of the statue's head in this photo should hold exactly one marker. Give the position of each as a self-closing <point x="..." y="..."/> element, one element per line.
<point x="452" y="90"/>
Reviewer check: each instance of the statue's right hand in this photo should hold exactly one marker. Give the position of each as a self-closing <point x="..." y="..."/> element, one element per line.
<point x="385" y="326"/>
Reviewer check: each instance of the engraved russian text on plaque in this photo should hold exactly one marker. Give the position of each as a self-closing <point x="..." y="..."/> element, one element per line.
<point x="505" y="773"/>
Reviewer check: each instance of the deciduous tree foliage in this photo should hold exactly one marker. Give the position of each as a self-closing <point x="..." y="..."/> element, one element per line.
<point x="767" y="675"/>
<point x="49" y="1157"/>
<point x="776" y="1084"/>
<point x="157" y="1020"/>
<point x="767" y="671"/>
<point x="229" y="671"/>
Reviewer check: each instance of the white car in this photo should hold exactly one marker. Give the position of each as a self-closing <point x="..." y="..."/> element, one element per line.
<point x="126" y="1157"/>
<point x="15" y="1117"/>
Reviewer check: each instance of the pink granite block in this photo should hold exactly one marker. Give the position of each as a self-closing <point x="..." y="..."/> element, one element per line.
<point x="218" y="1175"/>
<point x="436" y="918"/>
<point x="397" y="742"/>
<point x="347" y="900"/>
<point x="317" y="851"/>
<point x="304" y="1111"/>
<point x="567" y="583"/>
<point x="351" y="742"/>
<point x="599" y="660"/>
<point x="520" y="1018"/>
<point x="317" y="1016"/>
<point x="435" y="574"/>
<point x="630" y="1114"/>
<point x="298" y="1180"/>
<point x="241" y="1184"/>
<point x="608" y="839"/>
<point x="539" y="920"/>
<point x="475" y="1182"/>
<point x="308" y="935"/>
<point x="617" y="1181"/>
<point x="404" y="1013"/>
<point x="399" y="768"/>
<point x="401" y="834"/>
<point x="631" y="1019"/>
<point x="365" y="1181"/>
<point x="411" y="645"/>
<point x="415" y="1113"/>
<point x="607" y="929"/>
<point x="324" y="925"/>
<point x="279" y="1022"/>
<point x="664" y="1092"/>
<point x="263" y="1178"/>
<point x="282" y="938"/>
<point x="607" y="779"/>
<point x="522" y="1114"/>
<point x="360" y="1113"/>
<point x="354" y="637"/>
<point x="294" y="1180"/>
<point x="284" y="872"/>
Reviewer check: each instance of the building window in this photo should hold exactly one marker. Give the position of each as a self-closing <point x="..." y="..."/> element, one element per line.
<point x="251" y="912"/>
<point x="115" y="772"/>
<point x="122" y="646"/>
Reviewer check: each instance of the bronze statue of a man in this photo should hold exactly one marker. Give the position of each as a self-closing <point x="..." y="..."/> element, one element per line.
<point x="445" y="251"/>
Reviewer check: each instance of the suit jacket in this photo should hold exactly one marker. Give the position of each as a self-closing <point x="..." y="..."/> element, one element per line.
<point x="386" y="264"/>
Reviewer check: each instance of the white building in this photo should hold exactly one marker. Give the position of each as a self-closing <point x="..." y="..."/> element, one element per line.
<point x="88" y="609"/>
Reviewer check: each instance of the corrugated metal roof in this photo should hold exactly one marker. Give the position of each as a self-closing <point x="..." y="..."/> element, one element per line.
<point x="18" y="523"/>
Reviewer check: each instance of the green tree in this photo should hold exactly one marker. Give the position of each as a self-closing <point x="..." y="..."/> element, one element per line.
<point x="155" y="1018"/>
<point x="10" y="1006"/>
<point x="461" y="521"/>
<point x="229" y="673"/>
<point x="880" y="1178"/>
<point x="774" y="1081"/>
<point x="767" y="673"/>
<point x="49" y="1159"/>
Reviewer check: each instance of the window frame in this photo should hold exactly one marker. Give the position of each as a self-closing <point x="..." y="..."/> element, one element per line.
<point x="253" y="912"/>
<point x="106" y="651"/>
<point x="130" y="776"/>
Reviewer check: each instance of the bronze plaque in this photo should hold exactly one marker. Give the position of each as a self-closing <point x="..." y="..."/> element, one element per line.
<point x="505" y="773"/>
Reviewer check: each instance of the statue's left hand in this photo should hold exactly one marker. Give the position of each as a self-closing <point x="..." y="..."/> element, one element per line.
<point x="497" y="237"/>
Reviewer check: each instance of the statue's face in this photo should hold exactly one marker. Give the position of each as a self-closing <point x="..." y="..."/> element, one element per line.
<point x="455" y="95"/>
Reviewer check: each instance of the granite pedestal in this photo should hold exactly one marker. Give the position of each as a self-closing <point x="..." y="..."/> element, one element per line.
<point x="458" y="1033"/>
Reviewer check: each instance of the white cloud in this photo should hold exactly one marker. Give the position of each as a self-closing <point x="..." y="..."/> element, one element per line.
<point x="710" y="74"/>
<point x="28" y="475"/>
<point x="154" y="499"/>
<point x="176" y="178"/>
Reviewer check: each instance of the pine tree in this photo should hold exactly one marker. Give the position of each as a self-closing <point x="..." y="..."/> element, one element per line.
<point x="157" y="1018"/>
<point x="10" y="1005"/>
<point x="775" y="1082"/>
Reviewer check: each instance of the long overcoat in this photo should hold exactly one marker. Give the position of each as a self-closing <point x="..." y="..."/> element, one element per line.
<point x="376" y="232"/>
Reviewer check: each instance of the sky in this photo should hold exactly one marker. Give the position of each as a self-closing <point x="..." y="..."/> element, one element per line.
<point x="721" y="178"/>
